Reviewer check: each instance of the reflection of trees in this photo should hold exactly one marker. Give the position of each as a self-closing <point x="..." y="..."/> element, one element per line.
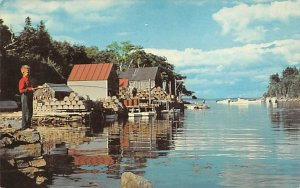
<point x="140" y="136"/>
<point x="288" y="115"/>
<point x="108" y="147"/>
<point x="58" y="164"/>
<point x="53" y="136"/>
<point x="137" y="140"/>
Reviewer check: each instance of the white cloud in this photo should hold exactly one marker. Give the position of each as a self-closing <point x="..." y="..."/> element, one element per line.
<point x="72" y="12"/>
<point x="195" y="81"/>
<point x="68" y="39"/>
<point x="242" y="56"/>
<point x="230" y="67"/>
<point x="245" y="22"/>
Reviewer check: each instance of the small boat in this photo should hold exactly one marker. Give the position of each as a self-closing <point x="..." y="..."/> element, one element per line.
<point x="171" y="111"/>
<point x="225" y="101"/>
<point x="111" y="116"/>
<point x="197" y="106"/>
<point x="240" y="101"/>
<point x="150" y="113"/>
<point x="134" y="113"/>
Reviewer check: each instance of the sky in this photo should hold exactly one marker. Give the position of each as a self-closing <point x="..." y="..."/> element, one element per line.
<point x="226" y="48"/>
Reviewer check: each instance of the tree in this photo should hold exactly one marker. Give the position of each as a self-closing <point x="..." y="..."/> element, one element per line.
<point x="121" y="53"/>
<point x="7" y="38"/>
<point x="8" y="62"/>
<point x="43" y="41"/>
<point x="286" y="86"/>
<point x="274" y="78"/>
<point x="290" y="72"/>
<point x="52" y="61"/>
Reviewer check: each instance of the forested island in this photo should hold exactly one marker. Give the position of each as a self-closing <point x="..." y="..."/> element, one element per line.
<point x="286" y="86"/>
<point x="52" y="60"/>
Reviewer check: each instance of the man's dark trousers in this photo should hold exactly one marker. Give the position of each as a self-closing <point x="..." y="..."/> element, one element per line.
<point x="26" y="99"/>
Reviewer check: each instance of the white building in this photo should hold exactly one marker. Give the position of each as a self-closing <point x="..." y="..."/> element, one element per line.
<point x="95" y="81"/>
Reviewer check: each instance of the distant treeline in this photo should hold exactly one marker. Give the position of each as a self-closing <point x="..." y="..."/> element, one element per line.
<point x="287" y="85"/>
<point x="52" y="60"/>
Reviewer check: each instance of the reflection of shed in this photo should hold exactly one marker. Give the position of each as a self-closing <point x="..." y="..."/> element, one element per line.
<point x="142" y="78"/>
<point x="50" y="90"/>
<point x="93" y="160"/>
<point x="94" y="80"/>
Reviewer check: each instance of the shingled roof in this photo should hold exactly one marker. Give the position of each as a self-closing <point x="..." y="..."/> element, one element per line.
<point x="84" y="72"/>
<point x="136" y="74"/>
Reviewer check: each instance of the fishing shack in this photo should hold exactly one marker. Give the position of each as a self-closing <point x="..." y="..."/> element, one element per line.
<point x="142" y="78"/>
<point x="95" y="81"/>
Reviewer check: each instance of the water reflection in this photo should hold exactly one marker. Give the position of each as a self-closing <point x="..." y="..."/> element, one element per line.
<point x="287" y="117"/>
<point x="105" y="147"/>
<point x="223" y="147"/>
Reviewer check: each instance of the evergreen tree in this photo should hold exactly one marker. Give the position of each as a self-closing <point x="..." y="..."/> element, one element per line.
<point x="288" y="86"/>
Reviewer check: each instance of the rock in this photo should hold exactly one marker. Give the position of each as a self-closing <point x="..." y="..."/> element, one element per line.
<point x="37" y="163"/>
<point x="6" y="141"/>
<point x="22" y="164"/>
<point x="28" y="136"/>
<point x="130" y="180"/>
<point x="30" y="171"/>
<point x="21" y="151"/>
<point x="40" y="179"/>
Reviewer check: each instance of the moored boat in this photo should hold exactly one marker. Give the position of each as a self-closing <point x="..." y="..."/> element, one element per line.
<point x="225" y="101"/>
<point x="240" y="101"/>
<point x="134" y="114"/>
<point x="197" y="106"/>
<point x="111" y="116"/>
<point x="150" y="113"/>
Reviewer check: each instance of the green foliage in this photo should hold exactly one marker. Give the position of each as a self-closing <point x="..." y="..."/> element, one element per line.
<point x="288" y="86"/>
<point x="122" y="53"/>
<point x="127" y="55"/>
<point x="52" y="61"/>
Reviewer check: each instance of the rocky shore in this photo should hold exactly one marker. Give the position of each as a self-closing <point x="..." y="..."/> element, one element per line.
<point x="22" y="162"/>
<point x="24" y="159"/>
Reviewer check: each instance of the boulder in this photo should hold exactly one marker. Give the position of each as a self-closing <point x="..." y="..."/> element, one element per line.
<point x="130" y="180"/>
<point x="21" y="151"/>
<point x="27" y="136"/>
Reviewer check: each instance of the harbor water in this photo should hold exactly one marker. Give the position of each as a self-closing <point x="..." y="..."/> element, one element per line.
<point x="224" y="146"/>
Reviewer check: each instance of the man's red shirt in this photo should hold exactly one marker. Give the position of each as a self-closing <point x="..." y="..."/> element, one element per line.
<point x="25" y="85"/>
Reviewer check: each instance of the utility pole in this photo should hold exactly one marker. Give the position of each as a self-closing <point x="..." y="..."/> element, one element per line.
<point x="149" y="92"/>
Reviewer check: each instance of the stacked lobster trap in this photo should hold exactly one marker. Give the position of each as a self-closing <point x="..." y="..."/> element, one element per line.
<point x="47" y="99"/>
<point x="111" y="103"/>
<point x="156" y="93"/>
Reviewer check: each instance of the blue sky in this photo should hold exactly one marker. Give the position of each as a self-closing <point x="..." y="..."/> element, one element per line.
<point x="226" y="48"/>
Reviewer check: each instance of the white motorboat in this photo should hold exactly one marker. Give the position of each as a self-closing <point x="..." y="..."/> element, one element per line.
<point x="240" y="101"/>
<point x="197" y="106"/>
<point x="225" y="101"/>
<point x="111" y="116"/>
<point x="150" y="113"/>
<point x="134" y="114"/>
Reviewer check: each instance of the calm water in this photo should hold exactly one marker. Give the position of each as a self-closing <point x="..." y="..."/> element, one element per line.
<point x="225" y="146"/>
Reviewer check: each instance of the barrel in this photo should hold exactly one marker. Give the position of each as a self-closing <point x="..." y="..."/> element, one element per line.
<point x="135" y="102"/>
<point x="125" y="101"/>
<point x="129" y="102"/>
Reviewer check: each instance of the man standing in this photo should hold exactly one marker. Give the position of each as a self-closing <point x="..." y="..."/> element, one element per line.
<point x="26" y="90"/>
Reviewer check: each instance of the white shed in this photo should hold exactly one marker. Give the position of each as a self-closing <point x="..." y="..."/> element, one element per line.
<point x="94" y="80"/>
